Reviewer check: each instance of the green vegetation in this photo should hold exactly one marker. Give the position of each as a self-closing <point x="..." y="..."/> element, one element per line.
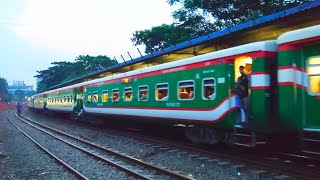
<point x="63" y="71"/>
<point x="200" y="17"/>
<point x="21" y="96"/>
<point x="17" y="96"/>
<point x="4" y="94"/>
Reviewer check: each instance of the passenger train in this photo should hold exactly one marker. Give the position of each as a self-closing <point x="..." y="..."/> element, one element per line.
<point x="196" y="92"/>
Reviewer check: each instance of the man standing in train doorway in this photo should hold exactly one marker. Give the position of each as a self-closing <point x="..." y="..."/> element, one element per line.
<point x="242" y="91"/>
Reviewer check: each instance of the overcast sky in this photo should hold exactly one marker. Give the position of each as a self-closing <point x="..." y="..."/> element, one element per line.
<point x="34" y="33"/>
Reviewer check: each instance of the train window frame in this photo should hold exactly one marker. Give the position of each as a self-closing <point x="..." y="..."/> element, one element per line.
<point x="308" y="65"/>
<point x="125" y="91"/>
<point x="95" y="94"/>
<point x="104" y="92"/>
<point x="162" y="88"/>
<point x="140" y="89"/>
<point x="214" y="89"/>
<point x="89" y="97"/>
<point x="186" y="86"/>
<point x="115" y="91"/>
<point x="71" y="99"/>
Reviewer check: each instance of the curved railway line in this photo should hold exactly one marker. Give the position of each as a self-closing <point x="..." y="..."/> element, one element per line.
<point x="132" y="166"/>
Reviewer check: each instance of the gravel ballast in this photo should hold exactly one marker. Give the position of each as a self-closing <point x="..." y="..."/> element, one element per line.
<point x="22" y="159"/>
<point x="194" y="166"/>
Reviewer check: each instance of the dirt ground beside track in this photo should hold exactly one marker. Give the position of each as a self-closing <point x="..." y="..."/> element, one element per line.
<point x="6" y="106"/>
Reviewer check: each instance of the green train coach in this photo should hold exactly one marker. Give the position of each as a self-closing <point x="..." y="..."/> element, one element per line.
<point x="299" y="84"/>
<point x="284" y="93"/>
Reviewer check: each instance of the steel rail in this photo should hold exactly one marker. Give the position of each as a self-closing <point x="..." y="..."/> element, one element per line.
<point x="68" y="167"/>
<point x="126" y="157"/>
<point x="265" y="164"/>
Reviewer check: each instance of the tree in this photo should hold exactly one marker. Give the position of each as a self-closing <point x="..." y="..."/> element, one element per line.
<point x="225" y="13"/>
<point x="200" y="17"/>
<point x="64" y="71"/>
<point x="18" y="96"/>
<point x="4" y="94"/>
<point x="160" y="37"/>
<point x="53" y="75"/>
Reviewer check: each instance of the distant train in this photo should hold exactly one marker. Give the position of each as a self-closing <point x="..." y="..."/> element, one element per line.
<point x="197" y="92"/>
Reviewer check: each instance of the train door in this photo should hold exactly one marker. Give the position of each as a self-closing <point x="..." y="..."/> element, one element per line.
<point x="78" y="100"/>
<point x="242" y="68"/>
<point x="311" y="101"/>
<point x="312" y="98"/>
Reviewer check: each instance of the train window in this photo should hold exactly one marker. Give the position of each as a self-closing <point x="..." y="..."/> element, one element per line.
<point x="162" y="92"/>
<point x="68" y="99"/>
<point x="244" y="61"/>
<point x="71" y="98"/>
<point x="64" y="99"/>
<point x="61" y="100"/>
<point x="89" y="97"/>
<point x="143" y="93"/>
<point x="115" y="95"/>
<point x="95" y="97"/>
<point x="127" y="94"/>
<point x="104" y="96"/>
<point x="186" y="90"/>
<point x="208" y="89"/>
<point x="314" y="75"/>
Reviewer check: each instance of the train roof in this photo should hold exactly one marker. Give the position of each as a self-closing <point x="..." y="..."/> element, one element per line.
<point x="300" y="34"/>
<point x="270" y="46"/>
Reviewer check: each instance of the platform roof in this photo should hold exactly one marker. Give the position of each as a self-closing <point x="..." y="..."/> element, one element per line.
<point x="265" y="28"/>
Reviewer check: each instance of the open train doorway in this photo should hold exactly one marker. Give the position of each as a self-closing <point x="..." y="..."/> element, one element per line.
<point x="242" y="90"/>
<point x="246" y="62"/>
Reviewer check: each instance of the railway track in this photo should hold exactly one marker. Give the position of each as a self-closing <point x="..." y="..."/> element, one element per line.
<point x="132" y="166"/>
<point x="285" y="164"/>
